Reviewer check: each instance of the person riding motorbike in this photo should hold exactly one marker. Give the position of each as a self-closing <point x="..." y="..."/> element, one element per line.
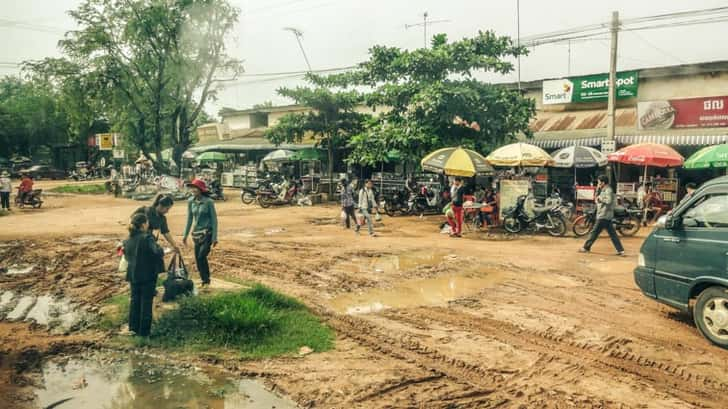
<point x="25" y="187"/>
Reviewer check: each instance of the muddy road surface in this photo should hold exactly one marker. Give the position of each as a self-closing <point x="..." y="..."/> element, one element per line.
<point x="422" y="320"/>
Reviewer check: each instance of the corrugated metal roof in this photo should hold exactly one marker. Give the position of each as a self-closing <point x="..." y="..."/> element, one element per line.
<point x="547" y="121"/>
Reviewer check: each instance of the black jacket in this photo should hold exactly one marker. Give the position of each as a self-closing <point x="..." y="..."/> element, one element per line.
<point x="457" y="200"/>
<point x="143" y="255"/>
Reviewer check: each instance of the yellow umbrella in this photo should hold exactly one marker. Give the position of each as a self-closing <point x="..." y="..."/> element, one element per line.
<point x="520" y="154"/>
<point x="456" y="162"/>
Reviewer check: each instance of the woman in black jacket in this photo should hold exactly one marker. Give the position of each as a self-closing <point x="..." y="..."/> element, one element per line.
<point x="143" y="256"/>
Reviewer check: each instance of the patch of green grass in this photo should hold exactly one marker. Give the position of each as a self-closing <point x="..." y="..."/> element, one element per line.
<point x="94" y="189"/>
<point x="256" y="323"/>
<point x="115" y="312"/>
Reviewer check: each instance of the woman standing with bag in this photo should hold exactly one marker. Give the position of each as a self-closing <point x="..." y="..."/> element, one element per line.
<point x="201" y="212"/>
<point x="143" y="256"/>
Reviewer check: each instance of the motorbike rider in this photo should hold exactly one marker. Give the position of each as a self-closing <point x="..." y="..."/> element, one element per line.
<point x="26" y="186"/>
<point x="605" y="213"/>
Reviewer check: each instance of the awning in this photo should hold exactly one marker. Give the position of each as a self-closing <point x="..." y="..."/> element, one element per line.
<point x="674" y="140"/>
<point x="563" y="143"/>
<point x="244" y="145"/>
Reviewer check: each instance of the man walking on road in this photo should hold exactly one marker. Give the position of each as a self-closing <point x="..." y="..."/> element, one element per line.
<point x="367" y="203"/>
<point x="5" y="187"/>
<point x="605" y="214"/>
<point x="347" y="202"/>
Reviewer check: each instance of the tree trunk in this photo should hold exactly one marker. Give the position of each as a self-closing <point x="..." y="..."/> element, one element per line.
<point x="331" y="170"/>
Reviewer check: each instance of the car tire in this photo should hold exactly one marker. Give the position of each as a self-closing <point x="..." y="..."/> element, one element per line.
<point x="711" y="315"/>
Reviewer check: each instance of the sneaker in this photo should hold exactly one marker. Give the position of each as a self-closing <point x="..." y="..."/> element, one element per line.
<point x="372" y="234"/>
<point x="620" y="254"/>
<point x="583" y="250"/>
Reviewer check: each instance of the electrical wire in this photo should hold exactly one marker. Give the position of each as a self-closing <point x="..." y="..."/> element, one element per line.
<point x="662" y="51"/>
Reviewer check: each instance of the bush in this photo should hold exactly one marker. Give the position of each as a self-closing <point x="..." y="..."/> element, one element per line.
<point x="257" y="322"/>
<point x="94" y="189"/>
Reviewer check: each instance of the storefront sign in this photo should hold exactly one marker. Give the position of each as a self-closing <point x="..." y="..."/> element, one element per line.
<point x="589" y="88"/>
<point x="509" y="192"/>
<point x="106" y="141"/>
<point x="609" y="146"/>
<point x="704" y="112"/>
<point x="119" y="154"/>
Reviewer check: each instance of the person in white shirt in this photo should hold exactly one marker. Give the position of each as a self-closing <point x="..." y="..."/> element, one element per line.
<point x="367" y="204"/>
<point x="5" y="187"/>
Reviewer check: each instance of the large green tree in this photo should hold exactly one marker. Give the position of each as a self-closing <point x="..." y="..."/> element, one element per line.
<point x="434" y="100"/>
<point x="331" y="120"/>
<point x="32" y="116"/>
<point x="152" y="64"/>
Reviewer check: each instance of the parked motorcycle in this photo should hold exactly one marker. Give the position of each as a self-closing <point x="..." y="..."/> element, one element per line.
<point x="548" y="217"/>
<point x="626" y="221"/>
<point x="32" y="199"/>
<point x="272" y="194"/>
<point x="247" y="195"/>
<point x="426" y="200"/>
<point x="398" y="203"/>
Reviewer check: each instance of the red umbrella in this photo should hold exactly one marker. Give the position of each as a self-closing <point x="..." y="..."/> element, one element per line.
<point x="647" y="154"/>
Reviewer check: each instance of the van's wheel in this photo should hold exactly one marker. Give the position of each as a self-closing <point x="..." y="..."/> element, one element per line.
<point x="711" y="315"/>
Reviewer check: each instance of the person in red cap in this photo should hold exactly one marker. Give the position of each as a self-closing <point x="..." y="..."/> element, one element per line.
<point x="201" y="213"/>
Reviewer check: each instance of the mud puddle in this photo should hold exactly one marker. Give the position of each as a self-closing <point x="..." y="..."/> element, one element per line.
<point x="393" y="263"/>
<point x="58" y="314"/>
<point x="412" y="293"/>
<point x="137" y="381"/>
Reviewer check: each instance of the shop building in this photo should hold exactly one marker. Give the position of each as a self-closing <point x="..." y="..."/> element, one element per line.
<point x="684" y="106"/>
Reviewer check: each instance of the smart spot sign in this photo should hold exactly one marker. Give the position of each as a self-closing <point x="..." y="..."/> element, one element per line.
<point x="589" y="88"/>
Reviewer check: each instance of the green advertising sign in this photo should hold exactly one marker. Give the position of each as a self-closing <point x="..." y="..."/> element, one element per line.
<point x="589" y="88"/>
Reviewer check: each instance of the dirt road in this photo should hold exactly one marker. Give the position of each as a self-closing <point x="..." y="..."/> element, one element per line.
<point x="422" y="320"/>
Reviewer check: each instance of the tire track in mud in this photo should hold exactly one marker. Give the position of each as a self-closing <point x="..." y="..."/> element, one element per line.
<point x="482" y="387"/>
<point x="672" y="379"/>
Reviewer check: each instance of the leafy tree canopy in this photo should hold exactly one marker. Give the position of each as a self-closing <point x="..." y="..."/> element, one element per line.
<point x="434" y="100"/>
<point x="331" y="119"/>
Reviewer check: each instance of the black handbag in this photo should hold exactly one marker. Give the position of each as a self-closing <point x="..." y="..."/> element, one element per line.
<point x="178" y="282"/>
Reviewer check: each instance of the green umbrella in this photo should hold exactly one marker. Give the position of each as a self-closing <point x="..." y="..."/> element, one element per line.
<point x="211" y="157"/>
<point x="308" y="154"/>
<point x="709" y="157"/>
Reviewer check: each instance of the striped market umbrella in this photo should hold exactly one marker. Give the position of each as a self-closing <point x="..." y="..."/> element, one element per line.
<point x="709" y="157"/>
<point x="520" y="155"/>
<point x="579" y="157"/>
<point x="456" y="162"/>
<point x="280" y="155"/>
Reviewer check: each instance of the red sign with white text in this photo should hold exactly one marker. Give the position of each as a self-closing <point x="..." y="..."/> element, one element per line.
<point x="704" y="112"/>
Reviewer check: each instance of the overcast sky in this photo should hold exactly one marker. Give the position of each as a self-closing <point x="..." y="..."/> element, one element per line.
<point x="338" y="33"/>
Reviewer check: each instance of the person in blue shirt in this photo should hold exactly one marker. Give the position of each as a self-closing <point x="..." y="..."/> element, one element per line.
<point x="202" y="225"/>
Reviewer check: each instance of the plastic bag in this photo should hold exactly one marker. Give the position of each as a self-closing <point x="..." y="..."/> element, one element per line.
<point x="123" y="264"/>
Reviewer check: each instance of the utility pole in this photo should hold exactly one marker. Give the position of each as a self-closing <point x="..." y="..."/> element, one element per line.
<point x="612" y="98"/>
<point x="518" y="39"/>
<point x="424" y="24"/>
<point x="569" y="68"/>
<point x="298" y="33"/>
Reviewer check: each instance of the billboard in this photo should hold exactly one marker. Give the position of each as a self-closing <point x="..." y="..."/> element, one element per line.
<point x="703" y="112"/>
<point x="589" y="88"/>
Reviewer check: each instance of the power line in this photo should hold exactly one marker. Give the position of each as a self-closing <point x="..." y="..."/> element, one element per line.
<point x="668" y="54"/>
<point x="6" y="23"/>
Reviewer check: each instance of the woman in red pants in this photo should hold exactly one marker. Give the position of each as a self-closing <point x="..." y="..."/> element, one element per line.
<point x="456" y="192"/>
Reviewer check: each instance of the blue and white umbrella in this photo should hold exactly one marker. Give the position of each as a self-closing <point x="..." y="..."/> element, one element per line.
<point x="579" y="157"/>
